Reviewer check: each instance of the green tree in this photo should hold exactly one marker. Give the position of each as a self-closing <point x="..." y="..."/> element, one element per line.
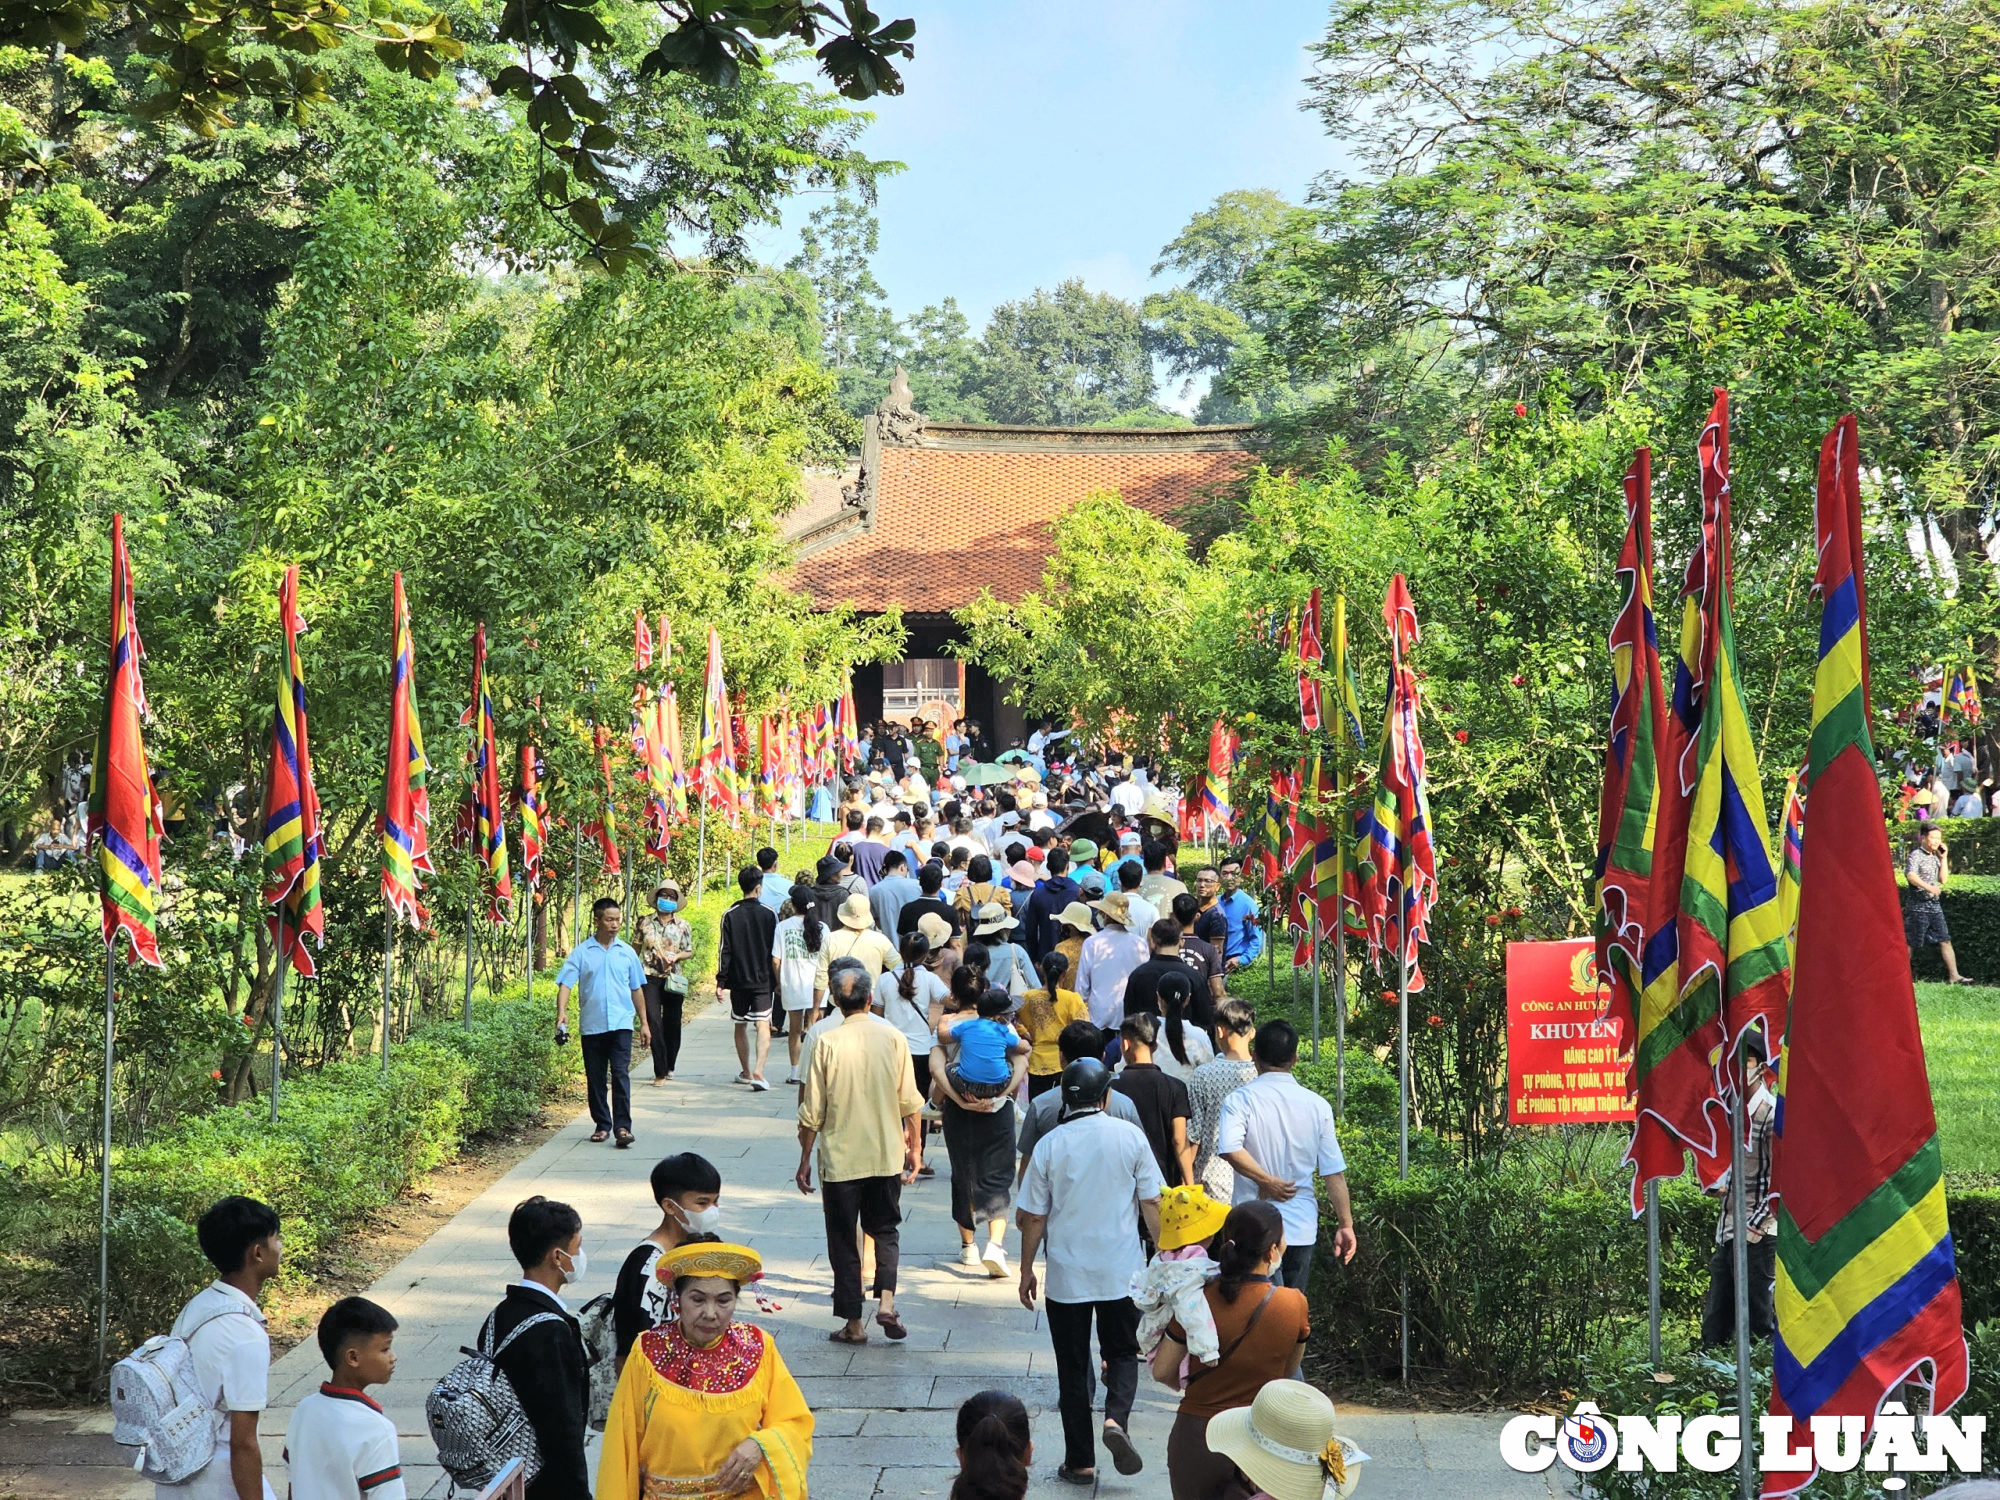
<point x="1065" y="358"/>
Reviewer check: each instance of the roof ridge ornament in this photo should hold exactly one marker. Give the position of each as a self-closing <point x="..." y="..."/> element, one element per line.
<point x="897" y="419"/>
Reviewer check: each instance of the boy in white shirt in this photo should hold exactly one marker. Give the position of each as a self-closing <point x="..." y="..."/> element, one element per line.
<point x="341" y="1446"/>
<point x="224" y="1331"/>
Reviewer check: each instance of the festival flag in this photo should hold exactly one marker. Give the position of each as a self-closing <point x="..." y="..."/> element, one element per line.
<point x="531" y="817"/>
<point x="1343" y="677"/>
<point x="850" y="725"/>
<point x="1395" y="901"/>
<point x="485" y="820"/>
<point x="769" y="764"/>
<point x="642" y="642"/>
<point x="1216" y="813"/>
<point x="405" y="782"/>
<point x="291" y="805"/>
<point x="668" y="712"/>
<point x="1867" y="1292"/>
<point x="1962" y="697"/>
<point x="1791" y="855"/>
<point x="1310" y="655"/>
<point x="124" y="810"/>
<point x="1734" y="973"/>
<point x="1270" y="840"/>
<point x="716" y="774"/>
<point x="605" y="828"/>
<point x="1628" y="805"/>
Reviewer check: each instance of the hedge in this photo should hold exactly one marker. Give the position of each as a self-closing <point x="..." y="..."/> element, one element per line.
<point x="1972" y="912"/>
<point x="1527" y="1270"/>
<point x="1974" y="842"/>
<point x="346" y="1142"/>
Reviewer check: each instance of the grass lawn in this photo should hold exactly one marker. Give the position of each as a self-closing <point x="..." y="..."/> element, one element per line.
<point x="1962" y="1046"/>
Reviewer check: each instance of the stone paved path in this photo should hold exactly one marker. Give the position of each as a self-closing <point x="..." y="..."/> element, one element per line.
<point x="884" y="1412"/>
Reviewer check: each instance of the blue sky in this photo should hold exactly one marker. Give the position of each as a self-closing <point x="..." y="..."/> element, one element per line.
<point x="1044" y="140"/>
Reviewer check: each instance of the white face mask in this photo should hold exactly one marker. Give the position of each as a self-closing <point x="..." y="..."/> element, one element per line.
<point x="578" y="1264"/>
<point x="700" y="1220"/>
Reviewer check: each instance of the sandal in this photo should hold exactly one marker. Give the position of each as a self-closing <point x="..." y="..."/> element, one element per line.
<point x="1076" y="1476"/>
<point x="842" y="1336"/>
<point x="600" y="1135"/>
<point x="892" y="1325"/>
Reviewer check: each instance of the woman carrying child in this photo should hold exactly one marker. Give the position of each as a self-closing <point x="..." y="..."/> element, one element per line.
<point x="978" y="1111"/>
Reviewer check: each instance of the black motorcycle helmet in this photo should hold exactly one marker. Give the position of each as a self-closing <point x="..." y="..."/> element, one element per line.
<point x="1085" y="1082"/>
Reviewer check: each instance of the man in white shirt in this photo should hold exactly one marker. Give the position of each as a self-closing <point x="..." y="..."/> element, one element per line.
<point x="1109" y="956"/>
<point x="1969" y="804"/>
<point x="1089" y="1183"/>
<point x="224" y="1331"/>
<point x="1279" y="1135"/>
<point x="1128" y="798"/>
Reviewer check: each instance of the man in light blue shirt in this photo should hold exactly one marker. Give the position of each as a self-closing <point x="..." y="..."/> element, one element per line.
<point x="894" y="891"/>
<point x="1239" y="909"/>
<point x="776" y="890"/>
<point x="610" y="985"/>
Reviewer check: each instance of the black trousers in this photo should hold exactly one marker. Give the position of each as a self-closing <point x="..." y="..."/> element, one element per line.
<point x="1295" y="1270"/>
<point x="1718" y="1312"/>
<point x="609" y="1053"/>
<point x="861" y="1205"/>
<point x="1118" y="1342"/>
<point x="663" y="1018"/>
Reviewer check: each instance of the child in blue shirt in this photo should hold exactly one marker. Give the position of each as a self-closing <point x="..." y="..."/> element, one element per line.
<point x="987" y="1047"/>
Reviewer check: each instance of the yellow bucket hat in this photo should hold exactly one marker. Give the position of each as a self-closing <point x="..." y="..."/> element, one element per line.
<point x="1188" y="1214"/>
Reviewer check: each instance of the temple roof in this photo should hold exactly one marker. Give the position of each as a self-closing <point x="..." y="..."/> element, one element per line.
<point x="936" y="512"/>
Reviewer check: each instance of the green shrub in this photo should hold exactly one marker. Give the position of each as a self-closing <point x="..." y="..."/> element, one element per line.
<point x="1972" y="912"/>
<point x="346" y="1142"/>
<point x="1974" y="843"/>
<point x="1975" y="1241"/>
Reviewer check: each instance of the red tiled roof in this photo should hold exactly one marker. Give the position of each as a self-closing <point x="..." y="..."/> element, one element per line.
<point x="964" y="509"/>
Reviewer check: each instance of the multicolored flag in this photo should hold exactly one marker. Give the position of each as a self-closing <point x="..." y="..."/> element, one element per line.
<point x="642" y="642"/>
<point x="291" y="805"/>
<point x="1628" y="805"/>
<point x="1868" y="1293"/>
<point x="1270" y="839"/>
<point x="1217" y="816"/>
<point x="605" y="828"/>
<point x="532" y="814"/>
<point x="406" y="803"/>
<point x="1791" y="854"/>
<point x="124" y="810"/>
<point x="1310" y="656"/>
<point x="668" y="712"/>
<point x="1395" y="901"/>
<point x="489" y="832"/>
<point x="716" y="774"/>
<point x="1962" y="697"/>
<point x="850" y="725"/>
<point x="1343" y="677"/>
<point x="770" y="758"/>
<point x="1734" y="970"/>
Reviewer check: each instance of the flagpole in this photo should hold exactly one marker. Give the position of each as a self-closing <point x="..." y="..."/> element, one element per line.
<point x="576" y="886"/>
<point x="388" y="973"/>
<point x="469" y="905"/>
<point x="1403" y="1106"/>
<point x="1315" y="958"/>
<point x="1653" y="1269"/>
<point x="701" y="854"/>
<point x="1339" y="1019"/>
<point x="1746" y="1463"/>
<point x="528" y="921"/>
<point x="104" y="1165"/>
<point x="278" y="1013"/>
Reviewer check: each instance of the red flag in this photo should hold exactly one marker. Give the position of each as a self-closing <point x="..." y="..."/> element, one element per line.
<point x="489" y="832"/>
<point x="642" y="642"/>
<point x="291" y="805"/>
<point x="606" y="828"/>
<point x="531" y="816"/>
<point x="1310" y="652"/>
<point x="405" y="783"/>
<point x="124" y="812"/>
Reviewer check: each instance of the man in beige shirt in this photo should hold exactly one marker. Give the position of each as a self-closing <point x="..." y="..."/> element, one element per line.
<point x="856" y="938"/>
<point x="860" y="1105"/>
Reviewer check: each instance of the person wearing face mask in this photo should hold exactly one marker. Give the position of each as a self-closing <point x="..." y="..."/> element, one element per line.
<point x="705" y="1405"/>
<point x="546" y="1364"/>
<point x="665" y="942"/>
<point x="688" y="1189"/>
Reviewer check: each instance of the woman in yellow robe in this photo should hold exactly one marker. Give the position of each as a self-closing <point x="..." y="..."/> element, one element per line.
<point x="705" y="1408"/>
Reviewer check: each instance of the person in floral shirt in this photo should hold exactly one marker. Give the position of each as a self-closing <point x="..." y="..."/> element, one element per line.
<point x="665" y="943"/>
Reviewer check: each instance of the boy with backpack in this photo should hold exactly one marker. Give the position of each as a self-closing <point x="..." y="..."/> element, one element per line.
<point x="340" y="1445"/>
<point x="546" y="1363"/>
<point x="222" y="1329"/>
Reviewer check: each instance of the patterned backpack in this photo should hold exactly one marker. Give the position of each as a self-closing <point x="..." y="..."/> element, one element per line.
<point x="158" y="1407"/>
<point x="475" y="1415"/>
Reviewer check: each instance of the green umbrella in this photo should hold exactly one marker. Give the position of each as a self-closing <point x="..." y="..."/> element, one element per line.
<point x="980" y="773"/>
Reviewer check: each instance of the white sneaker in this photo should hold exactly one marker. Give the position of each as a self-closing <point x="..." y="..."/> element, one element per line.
<point x="759" y="1085"/>
<point x="741" y="1078"/>
<point x="994" y="1257"/>
<point x="968" y="1256"/>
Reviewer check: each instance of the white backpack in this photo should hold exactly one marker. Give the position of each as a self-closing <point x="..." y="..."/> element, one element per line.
<point x="599" y="1323"/>
<point x="158" y="1406"/>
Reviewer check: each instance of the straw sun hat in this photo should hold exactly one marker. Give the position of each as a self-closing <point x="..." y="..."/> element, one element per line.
<point x="1284" y="1442"/>
<point x="854" y="913"/>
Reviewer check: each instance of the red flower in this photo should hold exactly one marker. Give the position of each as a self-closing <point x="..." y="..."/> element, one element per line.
<point x="216" y="1074"/>
<point x="1388" y="997"/>
<point x="1520" y="408"/>
<point x="1434" y="1020"/>
<point x="1519" y="680"/>
<point x="248" y="1019"/>
<point x="1494" y="920"/>
<point x="1513" y="911"/>
<point x="1461" y="735"/>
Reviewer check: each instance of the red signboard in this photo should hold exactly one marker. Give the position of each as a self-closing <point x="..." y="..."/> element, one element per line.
<point x="1563" y="1062"/>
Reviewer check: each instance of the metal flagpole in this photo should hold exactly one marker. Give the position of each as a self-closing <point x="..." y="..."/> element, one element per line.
<point x="1653" y="1269"/>
<point x="528" y="914"/>
<point x="1403" y="1106"/>
<point x="1291" y="933"/>
<point x="701" y="854"/>
<point x="1315" y="955"/>
<point x="388" y="980"/>
<point x="104" y="1166"/>
<point x="278" y="1014"/>
<point x="1339" y="1019"/>
<point x="576" y="886"/>
<point x="1746" y="1463"/>
<point x="468" y="959"/>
